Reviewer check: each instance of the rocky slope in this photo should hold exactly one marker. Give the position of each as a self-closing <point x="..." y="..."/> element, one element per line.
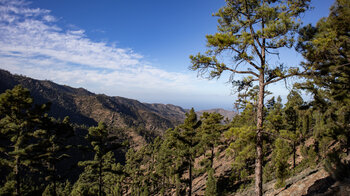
<point x="84" y="107"/>
<point x="310" y="182"/>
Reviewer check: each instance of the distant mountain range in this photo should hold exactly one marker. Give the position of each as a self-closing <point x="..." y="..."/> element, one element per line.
<point x="84" y="107"/>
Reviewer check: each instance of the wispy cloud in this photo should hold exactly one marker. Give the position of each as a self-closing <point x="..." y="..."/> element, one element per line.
<point x="31" y="43"/>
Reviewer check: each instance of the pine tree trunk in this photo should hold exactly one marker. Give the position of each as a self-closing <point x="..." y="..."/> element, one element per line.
<point x="163" y="184"/>
<point x="100" y="179"/>
<point x="54" y="181"/>
<point x="54" y="188"/>
<point x="190" y="177"/>
<point x="294" y="154"/>
<point x="212" y="157"/>
<point x="177" y="181"/>
<point x="259" y="137"/>
<point x="17" y="175"/>
<point x="53" y="174"/>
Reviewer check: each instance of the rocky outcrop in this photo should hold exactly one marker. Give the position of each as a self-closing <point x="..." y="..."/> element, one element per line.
<point x="310" y="182"/>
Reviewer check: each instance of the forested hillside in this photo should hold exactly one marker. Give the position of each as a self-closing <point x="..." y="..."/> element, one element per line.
<point x="58" y="140"/>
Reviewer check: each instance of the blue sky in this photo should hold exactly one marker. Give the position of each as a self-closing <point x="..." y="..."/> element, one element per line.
<point x="137" y="49"/>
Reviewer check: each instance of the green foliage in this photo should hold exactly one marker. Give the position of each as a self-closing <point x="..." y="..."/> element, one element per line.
<point x="248" y="29"/>
<point x="188" y="143"/>
<point x="243" y="149"/>
<point x="275" y="115"/>
<point x="211" y="186"/>
<point x="165" y="167"/>
<point x="19" y="123"/>
<point x="142" y="168"/>
<point x="173" y="146"/>
<point x="279" y="160"/>
<point x="52" y="148"/>
<point x="269" y="173"/>
<point x="326" y="50"/>
<point x="134" y="170"/>
<point x="309" y="155"/>
<point x="210" y="134"/>
<point x="339" y="169"/>
<point x="101" y="173"/>
<point x="161" y="166"/>
<point x="242" y="137"/>
<point x="62" y="189"/>
<point x="100" y="176"/>
<point x="293" y="121"/>
<point x="247" y="117"/>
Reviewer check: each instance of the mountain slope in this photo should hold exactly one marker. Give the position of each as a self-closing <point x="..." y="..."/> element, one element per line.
<point x="88" y="108"/>
<point x="84" y="107"/>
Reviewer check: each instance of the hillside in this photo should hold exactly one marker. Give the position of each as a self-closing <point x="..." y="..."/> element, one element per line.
<point x="84" y="107"/>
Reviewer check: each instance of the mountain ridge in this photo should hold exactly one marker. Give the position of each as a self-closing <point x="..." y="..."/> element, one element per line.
<point x="85" y="107"/>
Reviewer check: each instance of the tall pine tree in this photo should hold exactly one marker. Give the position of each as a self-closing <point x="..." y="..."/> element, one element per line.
<point x="188" y="141"/>
<point x="96" y="172"/>
<point x="326" y="49"/>
<point x="19" y="120"/>
<point x="252" y="30"/>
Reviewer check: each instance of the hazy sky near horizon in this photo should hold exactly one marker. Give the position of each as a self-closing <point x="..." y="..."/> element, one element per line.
<point x="131" y="48"/>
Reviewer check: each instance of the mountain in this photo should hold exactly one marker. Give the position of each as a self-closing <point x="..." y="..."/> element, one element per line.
<point x="226" y="113"/>
<point x="86" y="108"/>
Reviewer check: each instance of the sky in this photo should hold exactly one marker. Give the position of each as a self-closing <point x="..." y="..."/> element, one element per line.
<point x="131" y="48"/>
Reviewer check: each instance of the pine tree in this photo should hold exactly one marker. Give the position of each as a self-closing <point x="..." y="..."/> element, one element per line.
<point x="158" y="164"/>
<point x="242" y="147"/>
<point x="102" y="167"/>
<point x="251" y="30"/>
<point x="134" y="169"/>
<point x="188" y="142"/>
<point x="211" y="187"/>
<point x="141" y="166"/>
<point x="275" y="115"/>
<point x="173" y="149"/>
<point x="280" y="157"/>
<point x="19" y="120"/>
<point x="52" y="148"/>
<point x="293" y="122"/>
<point x="164" y="165"/>
<point x="210" y="134"/>
<point x="182" y="142"/>
<point x="241" y="136"/>
<point x="326" y="50"/>
<point x="62" y="189"/>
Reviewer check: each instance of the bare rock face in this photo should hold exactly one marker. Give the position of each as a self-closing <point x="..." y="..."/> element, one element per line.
<point x="311" y="182"/>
